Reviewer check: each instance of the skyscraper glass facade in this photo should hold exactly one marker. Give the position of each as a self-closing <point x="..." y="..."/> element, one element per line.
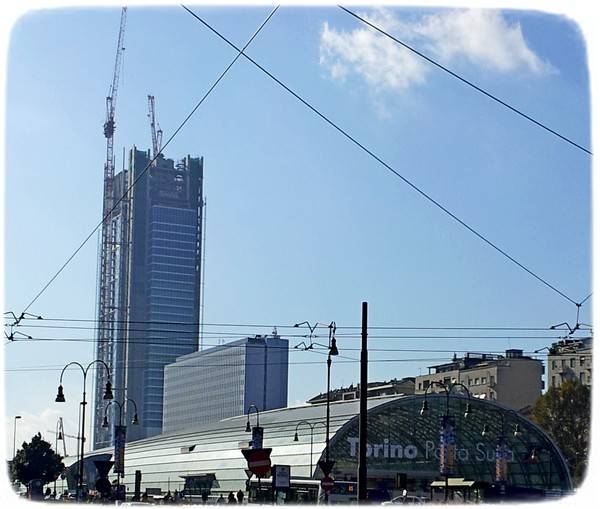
<point x="157" y="284"/>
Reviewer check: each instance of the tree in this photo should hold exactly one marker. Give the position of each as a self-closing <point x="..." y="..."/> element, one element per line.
<point x="565" y="413"/>
<point x="36" y="460"/>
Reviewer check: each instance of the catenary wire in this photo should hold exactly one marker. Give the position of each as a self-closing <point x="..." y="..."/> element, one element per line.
<point x="381" y="161"/>
<point x="143" y="172"/>
<point x="293" y="363"/>
<point x="280" y="326"/>
<point x="466" y="82"/>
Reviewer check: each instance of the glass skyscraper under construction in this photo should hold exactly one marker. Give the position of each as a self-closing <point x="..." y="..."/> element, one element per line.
<point x="149" y="315"/>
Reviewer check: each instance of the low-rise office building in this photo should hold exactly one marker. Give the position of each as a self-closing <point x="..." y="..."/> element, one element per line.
<point x="570" y="359"/>
<point x="223" y="381"/>
<point x="512" y="379"/>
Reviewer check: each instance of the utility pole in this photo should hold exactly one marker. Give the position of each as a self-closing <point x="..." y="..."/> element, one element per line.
<point x="362" y="430"/>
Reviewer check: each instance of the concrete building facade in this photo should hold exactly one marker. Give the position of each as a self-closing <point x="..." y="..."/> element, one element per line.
<point x="512" y="379"/>
<point x="570" y="359"/>
<point x="223" y="381"/>
<point x="155" y="292"/>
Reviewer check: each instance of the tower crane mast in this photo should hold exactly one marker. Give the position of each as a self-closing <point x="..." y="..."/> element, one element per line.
<point x="156" y="133"/>
<point x="108" y="248"/>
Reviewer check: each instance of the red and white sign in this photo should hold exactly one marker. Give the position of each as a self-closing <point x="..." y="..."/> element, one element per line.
<point x="259" y="461"/>
<point x="327" y="483"/>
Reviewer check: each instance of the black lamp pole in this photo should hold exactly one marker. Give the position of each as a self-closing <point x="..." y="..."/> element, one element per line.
<point x="331" y="351"/>
<point x="105" y="425"/>
<point x="312" y="428"/>
<point x="60" y="398"/>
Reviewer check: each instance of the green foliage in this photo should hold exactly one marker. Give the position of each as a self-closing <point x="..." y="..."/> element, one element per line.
<point x="36" y="460"/>
<point x="565" y="413"/>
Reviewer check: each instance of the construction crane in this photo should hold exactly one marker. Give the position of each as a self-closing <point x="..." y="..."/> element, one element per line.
<point x="106" y="286"/>
<point x="156" y="133"/>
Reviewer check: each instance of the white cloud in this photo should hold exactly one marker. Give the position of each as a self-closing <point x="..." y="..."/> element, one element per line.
<point x="481" y="37"/>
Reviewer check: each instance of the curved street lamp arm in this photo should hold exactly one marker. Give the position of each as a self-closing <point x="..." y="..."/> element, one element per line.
<point x="461" y="385"/>
<point x="257" y="413"/>
<point x="71" y="364"/>
<point x="120" y="409"/>
<point x="134" y="404"/>
<point x="101" y="362"/>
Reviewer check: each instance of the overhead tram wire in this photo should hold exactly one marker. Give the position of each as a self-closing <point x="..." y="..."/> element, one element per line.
<point x="324" y="327"/>
<point x="467" y="82"/>
<point x="143" y="172"/>
<point x="380" y="160"/>
<point x="404" y="359"/>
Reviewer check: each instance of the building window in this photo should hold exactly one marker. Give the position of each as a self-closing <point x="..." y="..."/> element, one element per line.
<point x="420" y="384"/>
<point x="563" y="362"/>
<point x="582" y="361"/>
<point x="553" y="364"/>
<point x="425" y="384"/>
<point x="484" y="379"/>
<point x="492" y="379"/>
<point x="477" y="381"/>
<point x="572" y="362"/>
<point x="470" y="382"/>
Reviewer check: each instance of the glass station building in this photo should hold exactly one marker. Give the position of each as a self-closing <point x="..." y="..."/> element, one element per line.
<point x="403" y="450"/>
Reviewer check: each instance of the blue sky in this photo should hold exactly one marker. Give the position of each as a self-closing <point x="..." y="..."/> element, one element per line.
<point x="302" y="225"/>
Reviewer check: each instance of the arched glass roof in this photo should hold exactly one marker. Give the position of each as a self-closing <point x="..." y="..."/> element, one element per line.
<point x="401" y="440"/>
<point x="392" y="421"/>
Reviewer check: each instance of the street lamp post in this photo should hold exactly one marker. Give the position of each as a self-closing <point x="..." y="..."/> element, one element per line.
<point x="257" y="435"/>
<point x="119" y="436"/>
<point x="312" y="428"/>
<point x="447" y="435"/>
<point x="15" y="436"/>
<point x="58" y="436"/>
<point x="501" y="474"/>
<point x="60" y="398"/>
<point x="332" y="350"/>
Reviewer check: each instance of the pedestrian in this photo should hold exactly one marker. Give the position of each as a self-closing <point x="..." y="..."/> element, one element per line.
<point x="231" y="498"/>
<point x="220" y="500"/>
<point x="204" y="496"/>
<point x="240" y="497"/>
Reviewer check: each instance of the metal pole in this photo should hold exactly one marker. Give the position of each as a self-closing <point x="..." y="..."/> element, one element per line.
<point x="327" y="419"/>
<point x="83" y="403"/>
<point x="15" y="436"/>
<point x="311" y="451"/>
<point x="362" y="433"/>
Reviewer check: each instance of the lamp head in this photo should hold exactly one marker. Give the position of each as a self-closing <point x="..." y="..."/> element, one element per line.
<point x="135" y="421"/>
<point x="248" y="430"/>
<point x="333" y="349"/>
<point x="60" y="397"/>
<point x="517" y="430"/>
<point x="60" y="436"/>
<point x="108" y="391"/>
<point x="424" y="408"/>
<point x="534" y="455"/>
<point x="468" y="410"/>
<point x="105" y="422"/>
<point x="296" y="436"/>
<point x="485" y="430"/>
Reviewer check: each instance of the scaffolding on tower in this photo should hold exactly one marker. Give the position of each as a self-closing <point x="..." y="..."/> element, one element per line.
<point x="105" y="334"/>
